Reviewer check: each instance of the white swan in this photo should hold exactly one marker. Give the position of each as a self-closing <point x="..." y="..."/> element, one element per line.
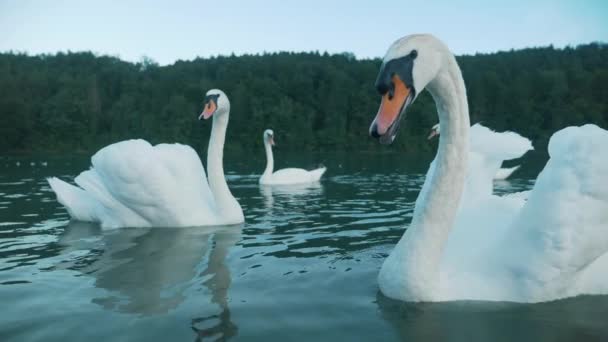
<point x="285" y="176"/>
<point x="497" y="145"/>
<point x="556" y="246"/>
<point x="134" y="184"/>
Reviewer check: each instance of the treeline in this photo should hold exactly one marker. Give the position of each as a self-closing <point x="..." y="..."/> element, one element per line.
<point x="81" y="102"/>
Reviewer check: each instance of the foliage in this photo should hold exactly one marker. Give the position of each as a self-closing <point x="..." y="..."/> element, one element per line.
<point x="80" y="101"/>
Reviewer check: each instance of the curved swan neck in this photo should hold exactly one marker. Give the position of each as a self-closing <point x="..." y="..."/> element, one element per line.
<point x="420" y="249"/>
<point x="447" y="181"/>
<point x="215" y="168"/>
<point x="269" y="159"/>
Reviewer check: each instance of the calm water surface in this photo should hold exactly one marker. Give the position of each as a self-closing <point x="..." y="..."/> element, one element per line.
<point x="303" y="266"/>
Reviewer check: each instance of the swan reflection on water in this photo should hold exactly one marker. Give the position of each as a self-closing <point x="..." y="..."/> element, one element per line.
<point x="572" y="319"/>
<point x="149" y="271"/>
<point x="291" y="194"/>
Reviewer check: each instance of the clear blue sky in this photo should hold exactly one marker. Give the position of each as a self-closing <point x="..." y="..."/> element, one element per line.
<point x="180" y="29"/>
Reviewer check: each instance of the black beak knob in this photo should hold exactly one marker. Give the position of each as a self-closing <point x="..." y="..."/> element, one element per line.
<point x="373" y="131"/>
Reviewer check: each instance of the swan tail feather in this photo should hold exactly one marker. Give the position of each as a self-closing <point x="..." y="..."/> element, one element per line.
<point x="79" y="204"/>
<point x="317" y="173"/>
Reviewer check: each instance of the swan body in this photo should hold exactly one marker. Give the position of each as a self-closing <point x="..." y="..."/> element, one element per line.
<point x="134" y="184"/>
<point x="285" y="176"/>
<point x="494" y="147"/>
<point x="552" y="246"/>
<point x="293" y="176"/>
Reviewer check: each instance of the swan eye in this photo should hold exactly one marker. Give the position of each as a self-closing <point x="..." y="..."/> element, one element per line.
<point x="211" y="100"/>
<point x="210" y="103"/>
<point x="381" y="88"/>
<point x="413" y="54"/>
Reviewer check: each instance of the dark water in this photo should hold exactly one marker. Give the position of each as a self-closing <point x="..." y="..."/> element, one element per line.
<point x="302" y="267"/>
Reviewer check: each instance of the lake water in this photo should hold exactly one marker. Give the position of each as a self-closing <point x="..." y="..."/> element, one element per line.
<point x="302" y="267"/>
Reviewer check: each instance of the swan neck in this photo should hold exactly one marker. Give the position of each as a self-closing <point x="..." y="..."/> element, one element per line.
<point x="215" y="159"/>
<point x="269" y="159"/>
<point x="420" y="250"/>
<point x="448" y="178"/>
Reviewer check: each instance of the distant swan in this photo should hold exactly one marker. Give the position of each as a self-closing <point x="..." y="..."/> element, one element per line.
<point x="555" y="246"/>
<point x="493" y="146"/>
<point x="135" y="184"/>
<point x="285" y="176"/>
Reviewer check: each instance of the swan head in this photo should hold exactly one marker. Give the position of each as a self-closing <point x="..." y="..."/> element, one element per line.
<point x="216" y="104"/>
<point x="435" y="131"/>
<point x="269" y="137"/>
<point x="409" y="65"/>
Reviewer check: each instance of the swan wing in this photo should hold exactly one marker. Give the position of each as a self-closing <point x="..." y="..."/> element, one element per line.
<point x="165" y="184"/>
<point x="488" y="149"/>
<point x="183" y="163"/>
<point x="479" y="182"/>
<point x="109" y="211"/>
<point x="504" y="173"/>
<point x="563" y="227"/>
<point x="499" y="145"/>
<point x="134" y="184"/>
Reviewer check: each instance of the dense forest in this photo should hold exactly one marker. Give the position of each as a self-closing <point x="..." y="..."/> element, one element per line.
<point x="81" y="102"/>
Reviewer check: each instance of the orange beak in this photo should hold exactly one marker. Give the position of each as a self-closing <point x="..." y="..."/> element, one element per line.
<point x="210" y="108"/>
<point x="390" y="107"/>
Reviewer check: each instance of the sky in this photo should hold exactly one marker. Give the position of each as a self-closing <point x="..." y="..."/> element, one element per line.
<point x="184" y="29"/>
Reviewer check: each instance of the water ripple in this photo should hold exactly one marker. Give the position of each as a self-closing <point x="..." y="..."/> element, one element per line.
<point x="315" y="249"/>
